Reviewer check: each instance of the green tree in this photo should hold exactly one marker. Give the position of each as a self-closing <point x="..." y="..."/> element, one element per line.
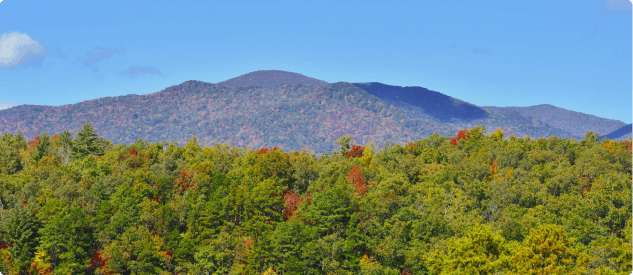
<point x="547" y="250"/>
<point x="44" y="147"/>
<point x="481" y="251"/>
<point x="89" y="143"/>
<point x="67" y="239"/>
<point x="137" y="251"/>
<point x="21" y="231"/>
<point x="345" y="143"/>
<point x="10" y="146"/>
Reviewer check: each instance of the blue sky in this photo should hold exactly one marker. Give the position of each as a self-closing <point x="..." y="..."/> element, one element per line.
<point x="571" y="54"/>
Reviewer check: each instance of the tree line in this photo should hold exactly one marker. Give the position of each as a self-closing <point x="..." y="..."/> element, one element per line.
<point x="468" y="204"/>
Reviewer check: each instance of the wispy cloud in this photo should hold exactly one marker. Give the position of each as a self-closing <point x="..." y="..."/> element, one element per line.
<point x="19" y="49"/>
<point x="7" y="105"/>
<point x="617" y="5"/>
<point x="473" y="50"/>
<point x="609" y="8"/>
<point x="93" y="57"/>
<point x="138" y="71"/>
<point x="480" y="51"/>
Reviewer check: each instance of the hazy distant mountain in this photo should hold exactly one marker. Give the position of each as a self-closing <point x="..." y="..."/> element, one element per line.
<point x="623" y="132"/>
<point x="437" y="105"/>
<point x="576" y="123"/>
<point x="267" y="78"/>
<point x="288" y="116"/>
<point x="437" y="108"/>
<point x="292" y="111"/>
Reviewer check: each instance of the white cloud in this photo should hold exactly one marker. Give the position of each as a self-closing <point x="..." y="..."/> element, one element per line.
<point x="7" y="105"/>
<point x="138" y="71"/>
<point x="617" y="5"/>
<point x="19" y="49"/>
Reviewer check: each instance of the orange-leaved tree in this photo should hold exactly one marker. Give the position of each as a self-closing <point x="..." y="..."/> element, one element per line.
<point x="356" y="177"/>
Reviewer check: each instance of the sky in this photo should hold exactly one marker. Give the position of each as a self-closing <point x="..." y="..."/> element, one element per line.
<point x="571" y="54"/>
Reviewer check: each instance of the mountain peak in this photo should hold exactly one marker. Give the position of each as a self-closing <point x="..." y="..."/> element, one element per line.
<point x="266" y="78"/>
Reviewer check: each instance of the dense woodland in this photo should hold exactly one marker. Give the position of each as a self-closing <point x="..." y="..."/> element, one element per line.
<point x="474" y="203"/>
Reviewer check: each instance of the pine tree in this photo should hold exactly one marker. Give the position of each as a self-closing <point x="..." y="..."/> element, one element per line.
<point x="43" y="146"/>
<point x="86" y="142"/>
<point x="21" y="232"/>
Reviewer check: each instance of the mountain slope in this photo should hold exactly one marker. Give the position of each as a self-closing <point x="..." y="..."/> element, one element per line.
<point x="288" y="116"/>
<point x="437" y="105"/>
<point x="268" y="78"/>
<point x="623" y="132"/>
<point x="437" y="108"/>
<point x="576" y="123"/>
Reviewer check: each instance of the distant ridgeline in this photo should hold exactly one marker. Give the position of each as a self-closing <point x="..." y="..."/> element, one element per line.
<point x="293" y="112"/>
<point x="623" y="133"/>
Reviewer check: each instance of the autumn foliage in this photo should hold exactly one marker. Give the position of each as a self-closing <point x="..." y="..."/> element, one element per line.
<point x="486" y="206"/>
<point x="266" y="150"/>
<point x="291" y="200"/>
<point x="463" y="134"/>
<point x="494" y="169"/>
<point x="356" y="177"/>
<point x="185" y="181"/>
<point x="33" y="143"/>
<point x="357" y="151"/>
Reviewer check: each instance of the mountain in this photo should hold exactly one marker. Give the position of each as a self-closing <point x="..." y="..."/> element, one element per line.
<point x="288" y="116"/>
<point x="437" y="105"/>
<point x="268" y="78"/>
<point x="576" y="123"/>
<point x="292" y="111"/>
<point x="623" y="132"/>
<point x="437" y="108"/>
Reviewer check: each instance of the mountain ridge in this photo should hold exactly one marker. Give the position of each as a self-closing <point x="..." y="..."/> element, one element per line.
<point x="621" y="133"/>
<point x="577" y="123"/>
<point x="291" y="116"/>
<point x="288" y="116"/>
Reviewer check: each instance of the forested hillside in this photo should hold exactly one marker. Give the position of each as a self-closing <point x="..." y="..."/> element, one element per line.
<point x="292" y="111"/>
<point x="468" y="204"/>
<point x="535" y="121"/>
<point x="576" y="123"/>
<point x="288" y="116"/>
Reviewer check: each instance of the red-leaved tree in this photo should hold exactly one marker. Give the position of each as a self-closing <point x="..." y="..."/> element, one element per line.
<point x="356" y="177"/>
<point x="291" y="200"/>
<point x="463" y="134"/>
<point x="266" y="150"/>
<point x="357" y="151"/>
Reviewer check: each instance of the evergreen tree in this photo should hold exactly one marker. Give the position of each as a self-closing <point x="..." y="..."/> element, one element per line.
<point x="10" y="146"/>
<point x="44" y="147"/>
<point x="86" y="142"/>
<point x="21" y="232"/>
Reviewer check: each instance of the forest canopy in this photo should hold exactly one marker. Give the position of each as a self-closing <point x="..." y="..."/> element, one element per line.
<point x="468" y="204"/>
